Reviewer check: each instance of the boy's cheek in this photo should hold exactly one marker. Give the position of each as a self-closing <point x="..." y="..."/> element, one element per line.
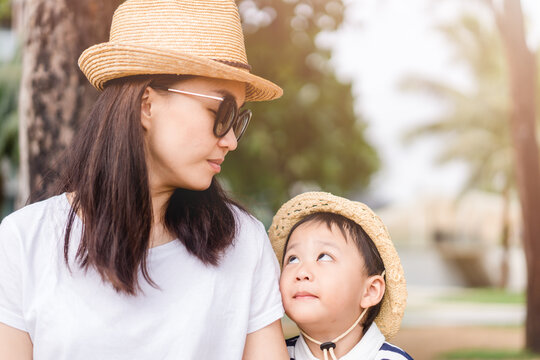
<point x="283" y="289"/>
<point x="288" y="309"/>
<point x="283" y="284"/>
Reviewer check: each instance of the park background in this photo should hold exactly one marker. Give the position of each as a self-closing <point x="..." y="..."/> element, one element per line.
<point x="404" y="105"/>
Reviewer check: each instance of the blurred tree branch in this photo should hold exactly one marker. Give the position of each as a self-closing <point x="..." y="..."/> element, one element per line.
<point x="311" y="137"/>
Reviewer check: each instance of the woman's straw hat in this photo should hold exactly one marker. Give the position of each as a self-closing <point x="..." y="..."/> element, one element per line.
<point x="195" y="37"/>
<point x="294" y="210"/>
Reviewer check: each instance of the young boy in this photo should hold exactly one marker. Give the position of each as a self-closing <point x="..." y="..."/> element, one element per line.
<point x="342" y="282"/>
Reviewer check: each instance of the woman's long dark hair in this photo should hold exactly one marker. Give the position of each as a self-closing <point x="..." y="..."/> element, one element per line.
<point x="107" y="176"/>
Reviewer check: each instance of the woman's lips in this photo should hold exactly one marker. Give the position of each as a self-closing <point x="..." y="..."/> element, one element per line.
<point x="215" y="164"/>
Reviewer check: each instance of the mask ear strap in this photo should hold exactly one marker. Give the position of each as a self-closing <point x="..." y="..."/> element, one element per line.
<point x="329" y="346"/>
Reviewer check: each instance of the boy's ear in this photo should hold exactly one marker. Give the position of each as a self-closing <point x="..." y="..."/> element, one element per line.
<point x="373" y="292"/>
<point x="146" y="109"/>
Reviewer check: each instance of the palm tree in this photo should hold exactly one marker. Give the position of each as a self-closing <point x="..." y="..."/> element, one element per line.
<point x="476" y="125"/>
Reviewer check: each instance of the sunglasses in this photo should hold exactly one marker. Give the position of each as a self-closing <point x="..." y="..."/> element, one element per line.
<point x="228" y="116"/>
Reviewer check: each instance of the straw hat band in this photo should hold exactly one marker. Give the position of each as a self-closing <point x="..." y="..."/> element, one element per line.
<point x="104" y="62"/>
<point x="183" y="27"/>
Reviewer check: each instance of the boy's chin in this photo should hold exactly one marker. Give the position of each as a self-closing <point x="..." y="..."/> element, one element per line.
<point x="305" y="320"/>
<point x="318" y="324"/>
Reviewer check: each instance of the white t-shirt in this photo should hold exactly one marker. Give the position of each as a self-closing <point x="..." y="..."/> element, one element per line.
<point x="198" y="312"/>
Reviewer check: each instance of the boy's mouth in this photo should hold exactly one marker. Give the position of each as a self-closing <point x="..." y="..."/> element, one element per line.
<point x="304" y="295"/>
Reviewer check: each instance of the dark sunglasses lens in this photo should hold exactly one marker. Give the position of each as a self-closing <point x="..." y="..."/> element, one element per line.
<point x="241" y="123"/>
<point x="225" y="117"/>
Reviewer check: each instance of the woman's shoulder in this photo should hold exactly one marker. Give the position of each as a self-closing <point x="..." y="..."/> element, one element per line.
<point x="33" y="218"/>
<point x="27" y="236"/>
<point x="251" y="236"/>
<point x="34" y="211"/>
<point x="246" y="221"/>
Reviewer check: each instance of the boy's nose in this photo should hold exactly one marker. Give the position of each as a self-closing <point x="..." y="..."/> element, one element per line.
<point x="304" y="274"/>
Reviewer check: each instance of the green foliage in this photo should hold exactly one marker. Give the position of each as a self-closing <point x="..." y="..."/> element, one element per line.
<point x="486" y="296"/>
<point x="488" y="354"/>
<point x="5" y="12"/>
<point x="10" y="75"/>
<point x="311" y="135"/>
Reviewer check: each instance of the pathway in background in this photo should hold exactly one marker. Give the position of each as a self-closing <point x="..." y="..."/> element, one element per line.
<point x="435" y="324"/>
<point x="430" y="306"/>
<point x="427" y="343"/>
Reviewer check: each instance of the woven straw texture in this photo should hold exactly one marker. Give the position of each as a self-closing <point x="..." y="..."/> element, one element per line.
<point x="195" y="37"/>
<point x="395" y="298"/>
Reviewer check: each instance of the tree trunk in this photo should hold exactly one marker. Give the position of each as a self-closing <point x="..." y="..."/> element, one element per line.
<point x="55" y="96"/>
<point x="505" y="238"/>
<point x="522" y="81"/>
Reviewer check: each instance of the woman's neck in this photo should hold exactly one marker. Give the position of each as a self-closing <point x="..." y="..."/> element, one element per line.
<point x="343" y="346"/>
<point x="159" y="234"/>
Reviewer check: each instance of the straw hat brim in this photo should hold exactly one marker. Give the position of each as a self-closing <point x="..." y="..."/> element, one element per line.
<point x="106" y="61"/>
<point x="395" y="298"/>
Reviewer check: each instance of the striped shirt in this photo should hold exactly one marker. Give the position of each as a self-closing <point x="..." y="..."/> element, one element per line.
<point x="372" y="346"/>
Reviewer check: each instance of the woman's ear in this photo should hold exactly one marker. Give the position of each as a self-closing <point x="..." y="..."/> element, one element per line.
<point x="146" y="109"/>
<point x="373" y="292"/>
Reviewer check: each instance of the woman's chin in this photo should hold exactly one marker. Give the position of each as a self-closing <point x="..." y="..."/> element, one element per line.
<point x="200" y="186"/>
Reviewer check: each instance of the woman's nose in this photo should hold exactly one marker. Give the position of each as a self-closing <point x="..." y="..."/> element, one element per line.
<point x="229" y="140"/>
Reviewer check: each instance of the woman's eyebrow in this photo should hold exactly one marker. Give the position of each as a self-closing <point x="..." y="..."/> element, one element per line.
<point x="227" y="93"/>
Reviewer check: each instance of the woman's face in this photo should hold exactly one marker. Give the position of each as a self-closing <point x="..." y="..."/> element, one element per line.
<point x="181" y="148"/>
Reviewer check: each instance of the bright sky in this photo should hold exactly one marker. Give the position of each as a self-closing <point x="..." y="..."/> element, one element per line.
<point x="382" y="41"/>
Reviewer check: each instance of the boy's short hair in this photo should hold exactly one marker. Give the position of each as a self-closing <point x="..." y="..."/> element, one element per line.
<point x="373" y="263"/>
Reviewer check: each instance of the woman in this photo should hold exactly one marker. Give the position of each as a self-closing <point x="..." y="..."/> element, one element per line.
<point x="141" y="255"/>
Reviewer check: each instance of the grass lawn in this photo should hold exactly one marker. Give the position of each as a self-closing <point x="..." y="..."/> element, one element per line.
<point x="485" y="295"/>
<point x="488" y="354"/>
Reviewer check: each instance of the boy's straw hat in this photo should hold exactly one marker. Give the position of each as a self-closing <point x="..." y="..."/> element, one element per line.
<point x="294" y="210"/>
<point x="195" y="37"/>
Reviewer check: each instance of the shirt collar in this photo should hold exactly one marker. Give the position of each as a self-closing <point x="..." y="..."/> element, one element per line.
<point x="367" y="348"/>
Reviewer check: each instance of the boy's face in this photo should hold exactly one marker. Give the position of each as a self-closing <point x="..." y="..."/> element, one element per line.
<point x="323" y="278"/>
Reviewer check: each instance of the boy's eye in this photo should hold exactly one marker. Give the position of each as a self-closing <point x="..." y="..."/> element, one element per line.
<point x="325" y="257"/>
<point x="292" y="259"/>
